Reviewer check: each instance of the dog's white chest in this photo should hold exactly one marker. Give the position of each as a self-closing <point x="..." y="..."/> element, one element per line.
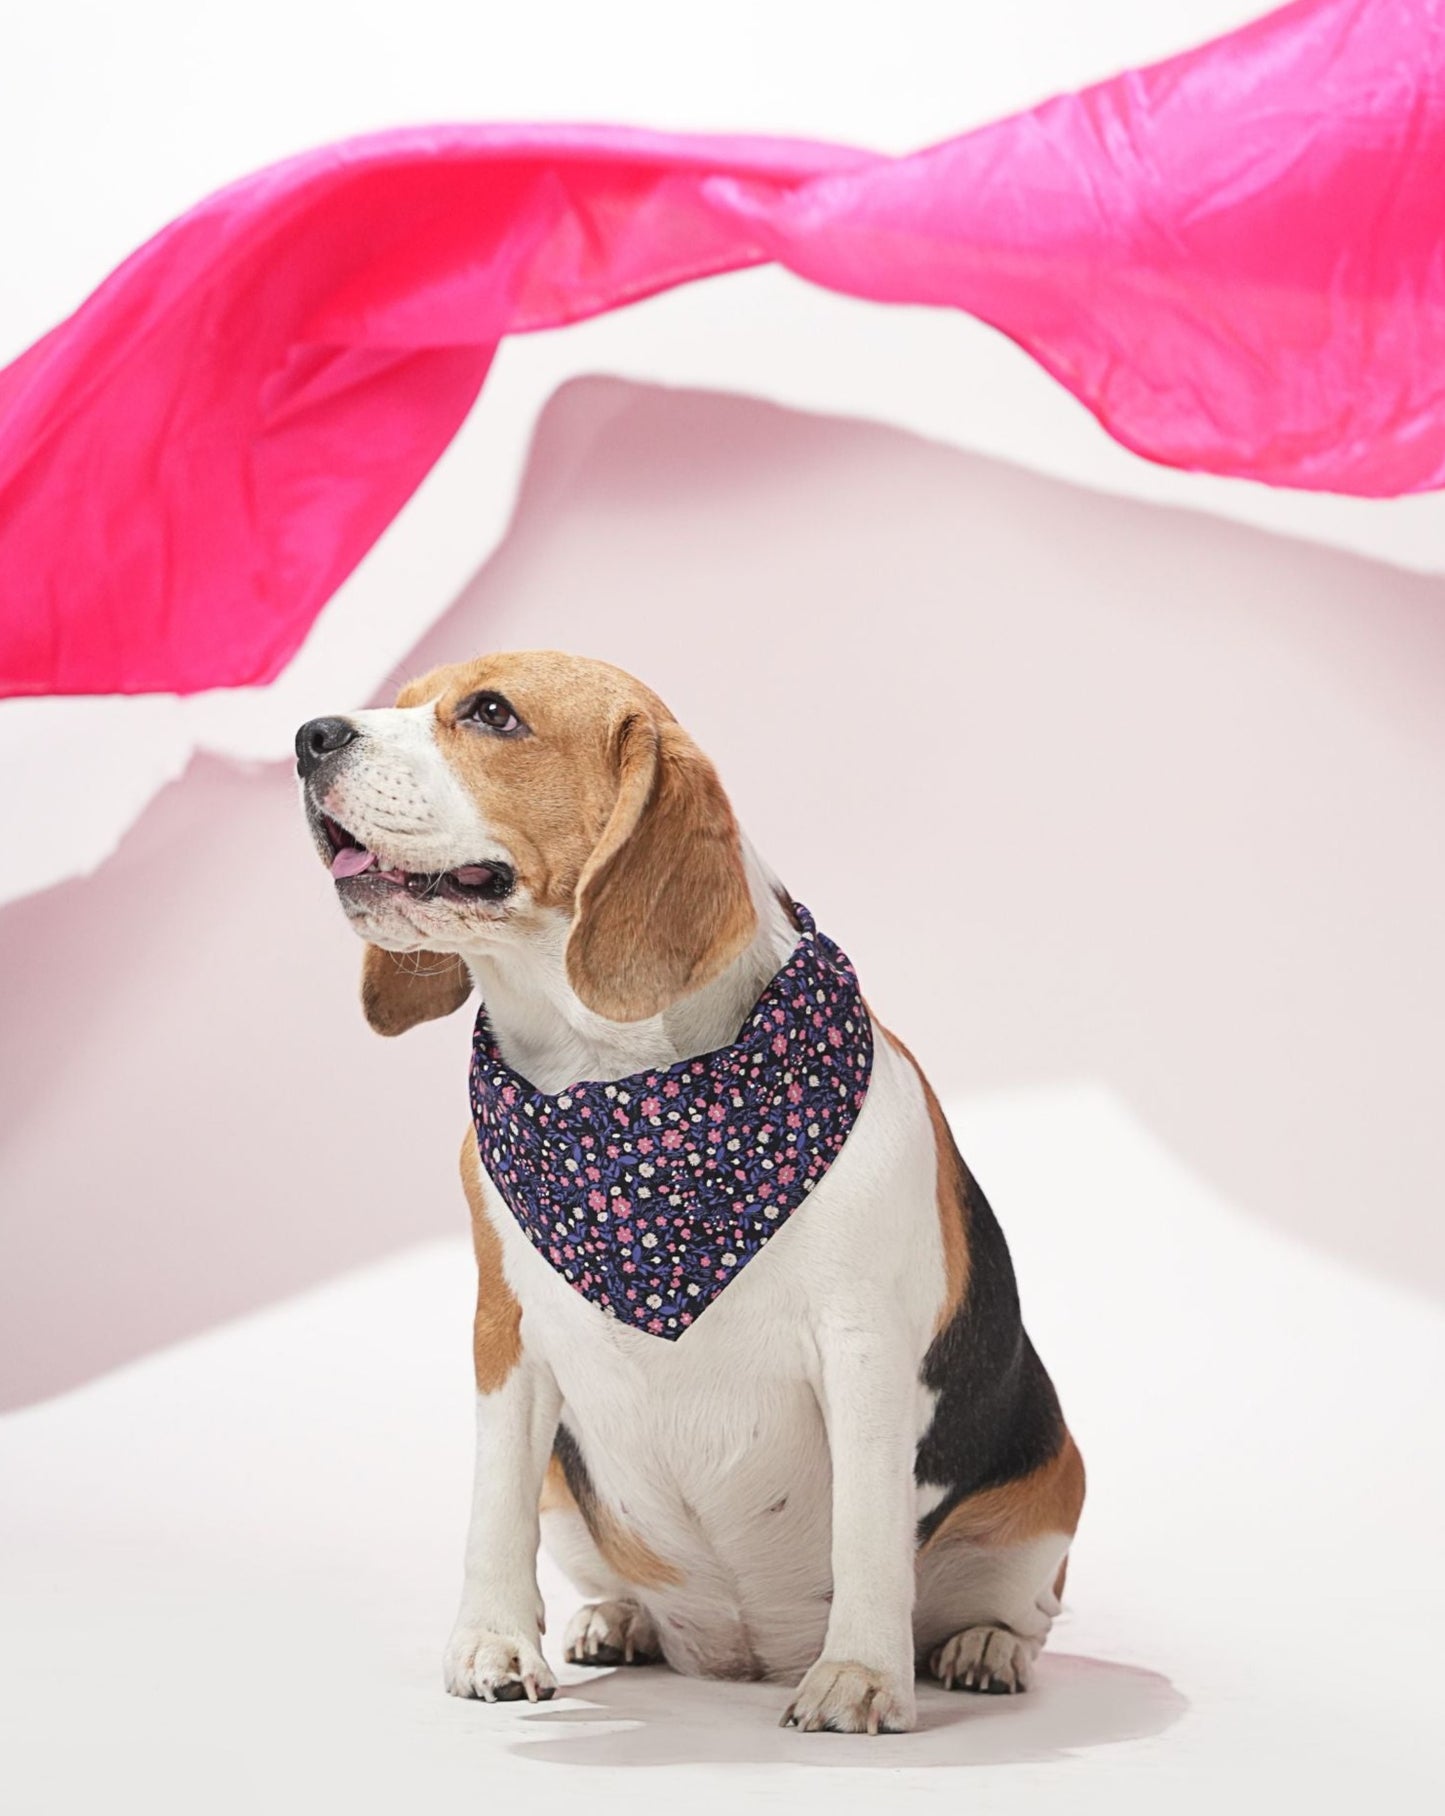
<point x="715" y="1446"/>
<point x="719" y="1454"/>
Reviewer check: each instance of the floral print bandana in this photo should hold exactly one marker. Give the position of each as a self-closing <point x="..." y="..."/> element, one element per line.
<point x="649" y="1194"/>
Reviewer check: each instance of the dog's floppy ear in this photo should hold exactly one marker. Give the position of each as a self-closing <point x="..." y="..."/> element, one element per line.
<point x="662" y="903"/>
<point x="400" y="989"/>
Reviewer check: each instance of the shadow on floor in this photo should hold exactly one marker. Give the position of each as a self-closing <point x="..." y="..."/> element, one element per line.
<point x="667" y="1720"/>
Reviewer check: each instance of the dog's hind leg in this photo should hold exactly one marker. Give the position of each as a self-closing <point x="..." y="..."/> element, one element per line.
<point x="611" y="1633"/>
<point x="613" y="1629"/>
<point x="990" y="1576"/>
<point x="984" y="1612"/>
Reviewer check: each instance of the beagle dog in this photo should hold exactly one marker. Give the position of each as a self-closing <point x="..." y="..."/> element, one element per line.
<point x="847" y="1466"/>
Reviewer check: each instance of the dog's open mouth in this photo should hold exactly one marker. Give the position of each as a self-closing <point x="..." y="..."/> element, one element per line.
<point x="468" y="882"/>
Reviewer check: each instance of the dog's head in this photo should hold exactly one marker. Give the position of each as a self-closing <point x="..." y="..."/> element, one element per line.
<point x="528" y="796"/>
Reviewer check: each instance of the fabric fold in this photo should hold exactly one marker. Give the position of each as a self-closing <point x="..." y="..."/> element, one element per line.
<point x="1235" y="259"/>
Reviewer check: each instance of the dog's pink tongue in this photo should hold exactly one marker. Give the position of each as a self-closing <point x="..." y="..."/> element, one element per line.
<point x="351" y="862"/>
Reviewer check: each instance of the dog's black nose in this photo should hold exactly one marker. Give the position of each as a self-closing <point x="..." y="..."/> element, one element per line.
<point x="317" y="739"/>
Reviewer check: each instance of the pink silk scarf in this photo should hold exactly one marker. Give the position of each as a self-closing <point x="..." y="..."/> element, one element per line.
<point x="1235" y="259"/>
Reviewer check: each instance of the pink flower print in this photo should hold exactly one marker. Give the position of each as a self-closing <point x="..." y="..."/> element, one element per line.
<point x="671" y="1088"/>
<point x="765" y="1189"/>
<point x="715" y="1112"/>
<point x="630" y="1267"/>
<point x="645" y="1144"/>
<point x="780" y="1045"/>
<point x="794" y="1120"/>
<point x="624" y="1232"/>
<point x="596" y="1201"/>
<point x="655" y="1325"/>
<point x="795" y="1092"/>
<point x="779" y="1016"/>
<point x="672" y="1138"/>
<point x="651" y="1106"/>
<point x="620" y="1116"/>
<point x="593" y="1173"/>
<point x="835" y="1037"/>
<point x="786" y="1175"/>
<point x="509" y="1095"/>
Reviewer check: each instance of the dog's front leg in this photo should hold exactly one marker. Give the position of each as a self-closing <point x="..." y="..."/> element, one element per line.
<point x="863" y="1679"/>
<point x="494" y="1651"/>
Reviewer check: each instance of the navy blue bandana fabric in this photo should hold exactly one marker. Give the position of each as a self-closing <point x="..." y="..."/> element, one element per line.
<point x="649" y="1194"/>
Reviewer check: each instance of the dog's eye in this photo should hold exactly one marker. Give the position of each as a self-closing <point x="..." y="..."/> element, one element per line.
<point x="491" y="710"/>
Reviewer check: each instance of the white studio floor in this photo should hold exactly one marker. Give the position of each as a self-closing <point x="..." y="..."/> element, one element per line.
<point x="227" y="1571"/>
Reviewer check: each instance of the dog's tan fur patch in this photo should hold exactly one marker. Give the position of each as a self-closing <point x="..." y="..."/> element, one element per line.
<point x="954" y="1181"/>
<point x="400" y="989"/>
<point x="497" y="1326"/>
<point x="1049" y="1499"/>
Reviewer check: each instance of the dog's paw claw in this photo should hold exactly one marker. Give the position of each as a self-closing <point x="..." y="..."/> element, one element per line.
<point x="492" y="1668"/>
<point x="611" y="1633"/>
<point x="989" y="1661"/>
<point x="846" y="1698"/>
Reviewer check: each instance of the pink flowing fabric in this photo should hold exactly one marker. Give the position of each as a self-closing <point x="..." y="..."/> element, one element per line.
<point x="1235" y="259"/>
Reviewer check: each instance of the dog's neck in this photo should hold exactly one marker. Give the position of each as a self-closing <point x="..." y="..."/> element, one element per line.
<point x="553" y="1040"/>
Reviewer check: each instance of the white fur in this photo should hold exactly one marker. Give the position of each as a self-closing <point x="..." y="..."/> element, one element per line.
<point x="767" y="1457"/>
<point x="404" y="802"/>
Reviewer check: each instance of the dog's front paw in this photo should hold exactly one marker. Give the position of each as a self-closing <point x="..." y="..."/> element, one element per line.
<point x="989" y="1660"/>
<point x="496" y="1669"/>
<point x="611" y="1633"/>
<point x="845" y="1698"/>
